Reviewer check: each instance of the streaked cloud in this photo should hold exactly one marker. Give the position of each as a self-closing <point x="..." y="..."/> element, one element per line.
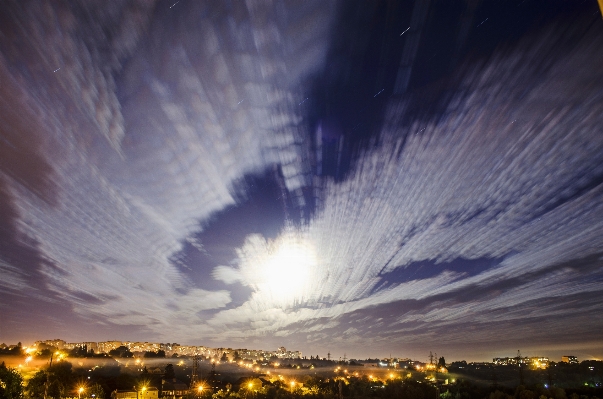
<point x="127" y="133"/>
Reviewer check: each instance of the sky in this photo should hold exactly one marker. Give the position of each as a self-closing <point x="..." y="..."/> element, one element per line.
<point x="355" y="178"/>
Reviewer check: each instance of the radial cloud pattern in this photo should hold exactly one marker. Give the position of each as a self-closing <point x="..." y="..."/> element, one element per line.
<point x="190" y="165"/>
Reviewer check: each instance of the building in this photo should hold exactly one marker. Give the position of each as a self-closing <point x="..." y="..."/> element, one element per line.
<point x="508" y="361"/>
<point x="106" y="347"/>
<point x="569" y="359"/>
<point x="143" y="393"/>
<point x="91" y="346"/>
<point x="123" y="394"/>
<point x="57" y="343"/>
<point x="174" y="389"/>
<point x="148" y="393"/>
<point x="139" y="349"/>
<point x="540" y="362"/>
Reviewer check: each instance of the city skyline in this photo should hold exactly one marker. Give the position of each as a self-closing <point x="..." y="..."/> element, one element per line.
<point x="332" y="176"/>
<point x="140" y="347"/>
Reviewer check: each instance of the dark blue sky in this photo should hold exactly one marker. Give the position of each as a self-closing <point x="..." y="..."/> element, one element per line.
<point x="360" y="178"/>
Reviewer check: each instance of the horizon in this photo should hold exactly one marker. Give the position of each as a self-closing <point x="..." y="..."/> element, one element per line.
<point x="349" y="355"/>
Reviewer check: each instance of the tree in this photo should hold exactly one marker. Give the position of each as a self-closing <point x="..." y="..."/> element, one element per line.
<point x="442" y="362"/>
<point x="44" y="354"/>
<point x="224" y="358"/>
<point x="124" y="381"/>
<point x="121" y="351"/>
<point x="458" y="364"/>
<point x="35" y="385"/>
<point x="11" y="383"/>
<point x="499" y="395"/>
<point x="60" y="380"/>
<point x="169" y="373"/>
<point x="159" y="354"/>
<point x="96" y="391"/>
<point x="79" y="351"/>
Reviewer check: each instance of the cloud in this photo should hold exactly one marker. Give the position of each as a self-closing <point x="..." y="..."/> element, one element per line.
<point x="507" y="176"/>
<point x="136" y="123"/>
<point x="227" y="274"/>
<point x="139" y="142"/>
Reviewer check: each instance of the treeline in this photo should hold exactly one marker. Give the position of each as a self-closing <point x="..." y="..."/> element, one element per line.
<point x="61" y="381"/>
<point x="562" y="375"/>
<point x="124" y="352"/>
<point x="16" y="350"/>
<point x="363" y="388"/>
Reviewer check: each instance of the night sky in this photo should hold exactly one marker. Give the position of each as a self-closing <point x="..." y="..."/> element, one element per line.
<point x="361" y="177"/>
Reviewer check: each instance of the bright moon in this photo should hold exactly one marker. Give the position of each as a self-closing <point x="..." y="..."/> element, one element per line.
<point x="288" y="269"/>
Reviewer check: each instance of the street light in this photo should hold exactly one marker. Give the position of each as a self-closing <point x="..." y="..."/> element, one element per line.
<point x="79" y="392"/>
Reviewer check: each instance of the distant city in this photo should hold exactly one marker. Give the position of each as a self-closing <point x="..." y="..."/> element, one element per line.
<point x="140" y="349"/>
<point x="57" y="369"/>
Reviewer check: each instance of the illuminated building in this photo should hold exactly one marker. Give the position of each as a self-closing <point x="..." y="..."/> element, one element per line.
<point x="123" y="395"/>
<point x="569" y="359"/>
